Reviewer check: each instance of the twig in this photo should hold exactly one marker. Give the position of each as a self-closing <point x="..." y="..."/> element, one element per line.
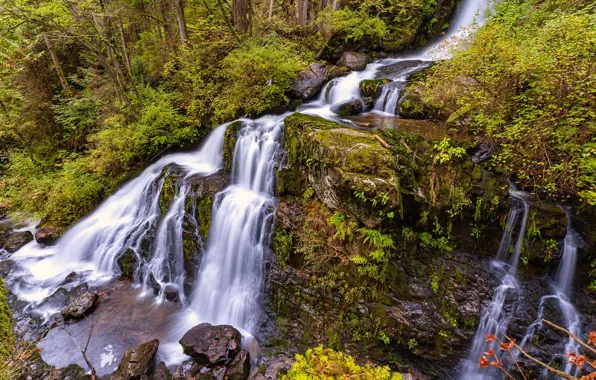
<point x="560" y="373"/>
<point x="572" y="335"/>
<point x="83" y="352"/>
<point x="382" y="142"/>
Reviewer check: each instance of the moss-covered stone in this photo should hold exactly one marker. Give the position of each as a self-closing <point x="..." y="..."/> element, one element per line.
<point x="168" y="190"/>
<point x="204" y="208"/>
<point x="413" y="107"/>
<point x="371" y="88"/>
<point x="230" y="144"/>
<point x="128" y="263"/>
<point x="6" y="334"/>
<point x="349" y="170"/>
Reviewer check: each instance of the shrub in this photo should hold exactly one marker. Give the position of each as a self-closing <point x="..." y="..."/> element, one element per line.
<point x="326" y="364"/>
<point x="258" y="76"/>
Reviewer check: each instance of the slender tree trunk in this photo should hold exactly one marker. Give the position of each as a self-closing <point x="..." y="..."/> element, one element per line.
<point x="304" y="13"/>
<point x="179" y="10"/>
<point x="124" y="47"/>
<point x="227" y="20"/>
<point x="58" y="67"/>
<point x="271" y="10"/>
<point x="240" y="15"/>
<point x="334" y="4"/>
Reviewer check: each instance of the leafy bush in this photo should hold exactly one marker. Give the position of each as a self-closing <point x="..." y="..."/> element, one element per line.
<point x="326" y="364"/>
<point x="526" y="82"/>
<point x="258" y="77"/>
<point x="352" y="25"/>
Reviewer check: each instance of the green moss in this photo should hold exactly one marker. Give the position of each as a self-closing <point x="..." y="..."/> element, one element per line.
<point x="6" y="335"/>
<point x="290" y="181"/>
<point x="128" y="263"/>
<point x="204" y="207"/>
<point x="168" y="190"/>
<point x="282" y="245"/>
<point x="230" y="144"/>
<point x="371" y="88"/>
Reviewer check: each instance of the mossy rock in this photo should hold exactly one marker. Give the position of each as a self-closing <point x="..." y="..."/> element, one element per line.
<point x="372" y="88"/>
<point x="229" y="146"/>
<point x="128" y="263"/>
<point x="168" y="190"/>
<point x="340" y="162"/>
<point x="413" y="107"/>
<point x="6" y="334"/>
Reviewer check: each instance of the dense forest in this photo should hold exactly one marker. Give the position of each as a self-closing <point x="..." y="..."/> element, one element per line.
<point x="372" y="242"/>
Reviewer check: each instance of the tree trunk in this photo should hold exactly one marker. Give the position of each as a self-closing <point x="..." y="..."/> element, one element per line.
<point x="302" y="12"/>
<point x="270" y="10"/>
<point x="227" y="20"/>
<point x="124" y="47"/>
<point x="58" y="67"/>
<point x="179" y="10"/>
<point x="240" y="15"/>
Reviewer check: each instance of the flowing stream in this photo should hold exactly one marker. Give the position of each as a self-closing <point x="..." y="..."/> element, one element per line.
<point x="561" y="294"/>
<point x="229" y="282"/>
<point x="495" y="319"/>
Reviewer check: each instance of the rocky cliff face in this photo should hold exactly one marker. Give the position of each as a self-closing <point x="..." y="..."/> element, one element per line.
<point x="385" y="253"/>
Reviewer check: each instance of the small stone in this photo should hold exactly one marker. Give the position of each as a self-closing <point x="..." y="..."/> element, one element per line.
<point x="171" y="293"/>
<point x="48" y="235"/>
<point x="80" y="306"/>
<point x="17" y="240"/>
<point x="161" y="372"/>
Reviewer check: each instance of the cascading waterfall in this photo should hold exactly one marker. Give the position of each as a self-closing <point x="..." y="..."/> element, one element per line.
<point x="166" y="266"/>
<point x="230" y="278"/>
<point x="389" y="100"/>
<point x="92" y="246"/>
<point x="494" y="319"/>
<point x="562" y="292"/>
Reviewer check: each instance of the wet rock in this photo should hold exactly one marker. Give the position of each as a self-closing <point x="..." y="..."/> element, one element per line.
<point x="277" y="367"/>
<point x="80" y="306"/>
<point x="353" y="60"/>
<point x="47" y="234"/>
<point x="172" y="293"/>
<point x="137" y="362"/>
<point x="351" y="107"/>
<point x="312" y="79"/>
<point x="483" y="153"/>
<point x="5" y="267"/>
<point x="70" y="278"/>
<point x="128" y="263"/>
<point x="161" y="372"/>
<point x="211" y="345"/>
<point x="72" y="372"/>
<point x="401" y="68"/>
<point x="17" y="240"/>
<point x="188" y="370"/>
<point x="239" y="368"/>
<point x="230" y="144"/>
<point x="372" y="88"/>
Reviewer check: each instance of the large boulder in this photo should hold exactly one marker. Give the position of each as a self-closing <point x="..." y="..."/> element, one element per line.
<point x="17" y="240"/>
<point x="137" y="362"/>
<point x="414" y="107"/>
<point x="80" y="306"/>
<point x="353" y="60"/>
<point x="312" y="79"/>
<point x="211" y="345"/>
<point x="128" y="263"/>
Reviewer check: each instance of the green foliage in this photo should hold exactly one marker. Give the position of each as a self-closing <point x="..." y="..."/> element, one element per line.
<point x="526" y="82"/>
<point x="343" y="227"/>
<point x="6" y="335"/>
<point x="352" y="25"/>
<point x="326" y="364"/>
<point x="412" y="343"/>
<point x="259" y="77"/>
<point x="445" y="152"/>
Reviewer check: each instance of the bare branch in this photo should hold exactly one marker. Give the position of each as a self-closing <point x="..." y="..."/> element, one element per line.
<point x="572" y="335"/>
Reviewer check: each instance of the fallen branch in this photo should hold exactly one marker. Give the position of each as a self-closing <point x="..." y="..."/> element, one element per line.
<point x="382" y="142"/>
<point x="551" y="369"/>
<point x="572" y="335"/>
<point x="83" y="351"/>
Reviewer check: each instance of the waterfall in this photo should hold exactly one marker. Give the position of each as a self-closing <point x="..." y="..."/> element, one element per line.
<point x="494" y="319"/>
<point x="92" y="246"/>
<point x="562" y="292"/>
<point x="389" y="100"/>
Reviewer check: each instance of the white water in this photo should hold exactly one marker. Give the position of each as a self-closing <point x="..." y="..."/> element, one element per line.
<point x="92" y="246"/>
<point x="562" y="292"/>
<point x="230" y="279"/>
<point x="494" y="319"/>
